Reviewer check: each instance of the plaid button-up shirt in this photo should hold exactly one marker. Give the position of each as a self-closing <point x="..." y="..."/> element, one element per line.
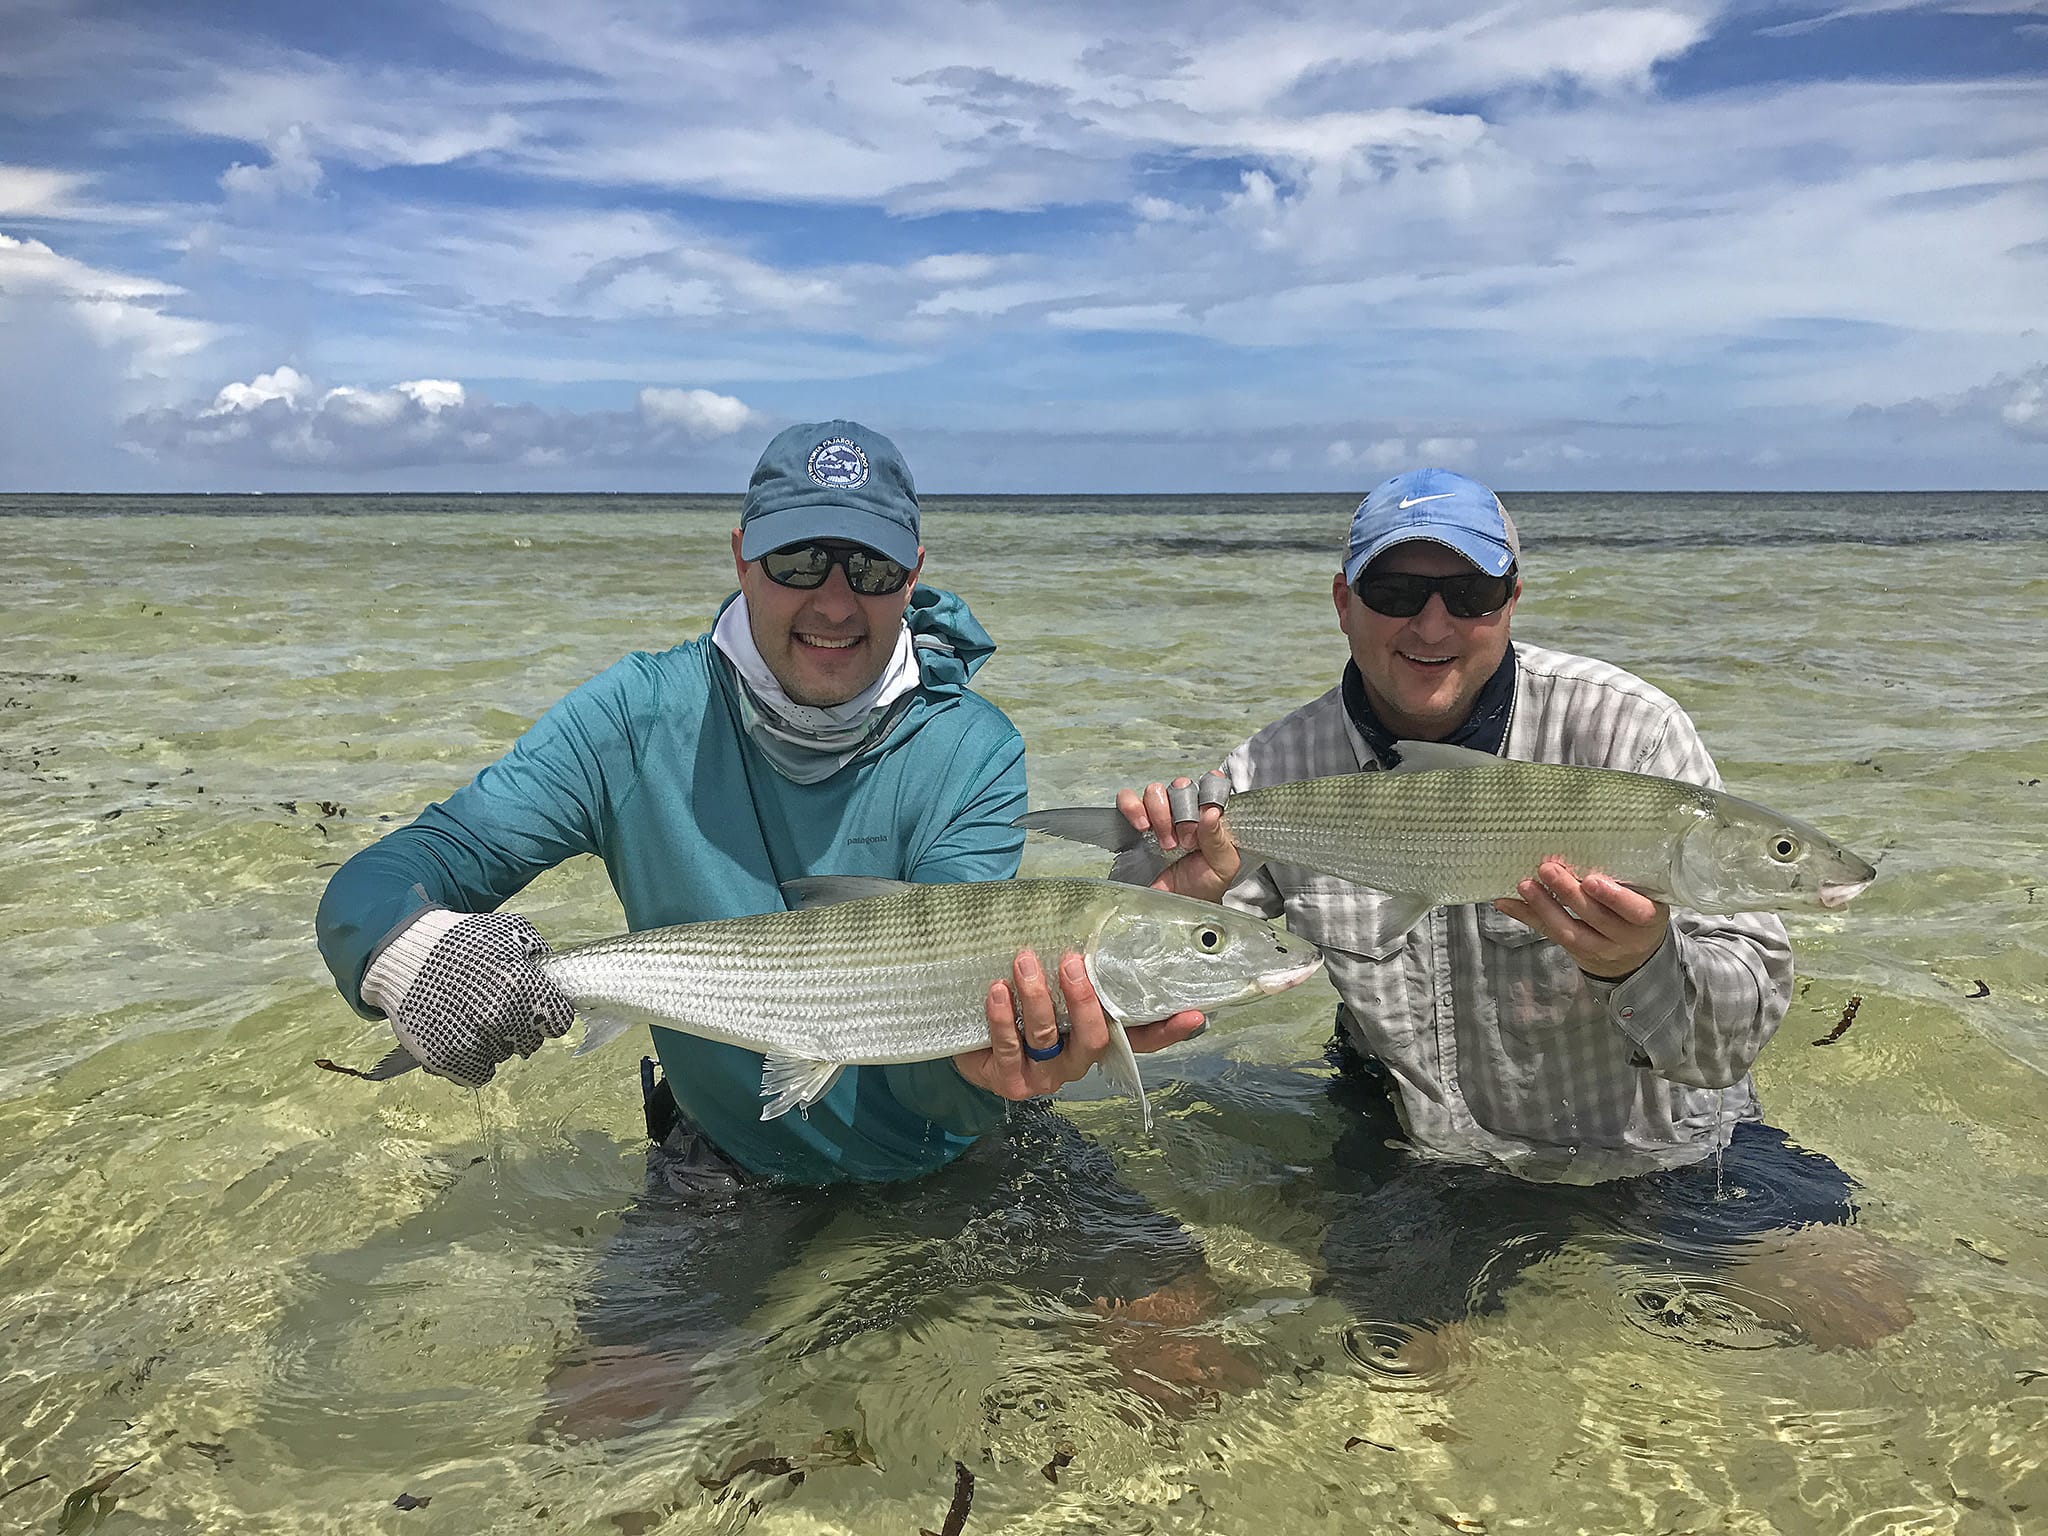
<point x="1501" y="1049"/>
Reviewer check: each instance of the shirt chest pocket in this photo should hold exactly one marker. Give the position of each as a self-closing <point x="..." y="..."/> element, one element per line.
<point x="1349" y="923"/>
<point x="1526" y="985"/>
<point x="1378" y="974"/>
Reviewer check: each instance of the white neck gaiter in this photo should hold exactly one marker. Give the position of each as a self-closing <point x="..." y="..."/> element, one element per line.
<point x="809" y="742"/>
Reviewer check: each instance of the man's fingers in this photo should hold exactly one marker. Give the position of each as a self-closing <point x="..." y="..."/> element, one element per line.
<point x="1088" y="1035"/>
<point x="1132" y="803"/>
<point x="1219" y="848"/>
<point x="1546" y="914"/>
<point x="1036" y="1020"/>
<point x="1159" y="815"/>
<point x="1005" y="1044"/>
<point x="1630" y="906"/>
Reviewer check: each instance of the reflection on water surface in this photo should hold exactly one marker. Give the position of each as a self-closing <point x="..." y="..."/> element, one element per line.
<point x="244" y="1294"/>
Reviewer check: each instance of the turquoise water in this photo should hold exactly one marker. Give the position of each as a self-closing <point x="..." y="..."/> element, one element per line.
<point x="288" y="1297"/>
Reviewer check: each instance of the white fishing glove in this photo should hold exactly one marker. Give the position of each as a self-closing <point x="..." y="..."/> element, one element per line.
<point x="463" y="993"/>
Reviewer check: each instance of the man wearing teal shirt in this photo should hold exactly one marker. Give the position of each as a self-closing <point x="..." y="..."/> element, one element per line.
<point x="824" y="726"/>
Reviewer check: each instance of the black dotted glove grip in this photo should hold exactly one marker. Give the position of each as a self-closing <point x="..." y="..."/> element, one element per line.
<point x="479" y="998"/>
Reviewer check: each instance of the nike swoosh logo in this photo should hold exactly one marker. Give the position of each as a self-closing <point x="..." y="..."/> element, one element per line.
<point x="1416" y="501"/>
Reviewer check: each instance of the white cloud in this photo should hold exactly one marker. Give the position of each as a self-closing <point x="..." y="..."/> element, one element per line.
<point x="989" y="300"/>
<point x="2015" y="404"/>
<point x="1386" y="453"/>
<point x="1280" y="190"/>
<point x="698" y="412"/>
<point x="372" y="118"/>
<point x="31" y="191"/>
<point x="121" y="314"/>
<point x="293" y="171"/>
<point x="1546" y="458"/>
<point x="1123" y="317"/>
<point x="953" y="267"/>
<point x="1447" y="452"/>
<point x="286" y="384"/>
<point x="280" y="421"/>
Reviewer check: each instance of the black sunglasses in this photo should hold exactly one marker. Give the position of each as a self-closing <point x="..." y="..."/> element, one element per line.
<point x="1471" y="595"/>
<point x="805" y="566"/>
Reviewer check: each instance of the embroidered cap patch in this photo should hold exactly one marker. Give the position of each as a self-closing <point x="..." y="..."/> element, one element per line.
<point x="839" y="463"/>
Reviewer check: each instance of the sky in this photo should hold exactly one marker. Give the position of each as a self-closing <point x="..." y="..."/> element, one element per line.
<point x="614" y="245"/>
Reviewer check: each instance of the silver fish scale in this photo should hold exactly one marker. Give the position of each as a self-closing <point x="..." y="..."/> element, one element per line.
<point x="900" y="977"/>
<point x="1471" y="834"/>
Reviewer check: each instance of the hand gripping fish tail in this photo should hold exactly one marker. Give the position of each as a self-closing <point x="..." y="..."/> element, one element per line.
<point x="1139" y="858"/>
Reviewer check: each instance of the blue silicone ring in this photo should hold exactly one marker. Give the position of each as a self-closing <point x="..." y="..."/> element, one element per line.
<point x="1049" y="1052"/>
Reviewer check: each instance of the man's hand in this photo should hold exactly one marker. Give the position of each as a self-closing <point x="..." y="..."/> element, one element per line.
<point x="1020" y="1013"/>
<point x="1211" y="864"/>
<point x="1610" y="930"/>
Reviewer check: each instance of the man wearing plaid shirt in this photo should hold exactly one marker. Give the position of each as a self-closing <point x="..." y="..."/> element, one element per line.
<point x="1573" y="1035"/>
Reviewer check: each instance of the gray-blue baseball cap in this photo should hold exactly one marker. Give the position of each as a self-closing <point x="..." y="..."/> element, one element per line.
<point x="830" y="480"/>
<point x="1441" y="506"/>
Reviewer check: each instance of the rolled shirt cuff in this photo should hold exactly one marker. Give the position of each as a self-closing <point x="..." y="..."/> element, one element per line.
<point x="402" y="954"/>
<point x="1648" y="1005"/>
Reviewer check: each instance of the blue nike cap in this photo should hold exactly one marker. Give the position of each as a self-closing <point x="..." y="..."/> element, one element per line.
<point x="1438" y="505"/>
<point x="830" y="480"/>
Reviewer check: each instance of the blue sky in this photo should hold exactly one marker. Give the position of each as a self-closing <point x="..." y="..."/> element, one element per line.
<point x="1049" y="247"/>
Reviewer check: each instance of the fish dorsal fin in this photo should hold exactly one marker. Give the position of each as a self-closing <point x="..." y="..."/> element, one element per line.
<point x="1428" y="756"/>
<point x="829" y="890"/>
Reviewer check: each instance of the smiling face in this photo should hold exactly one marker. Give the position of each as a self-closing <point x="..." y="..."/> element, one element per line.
<point x="827" y="645"/>
<point x="1423" y="674"/>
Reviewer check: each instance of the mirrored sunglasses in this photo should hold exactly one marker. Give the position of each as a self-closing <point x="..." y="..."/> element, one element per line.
<point x="805" y="566"/>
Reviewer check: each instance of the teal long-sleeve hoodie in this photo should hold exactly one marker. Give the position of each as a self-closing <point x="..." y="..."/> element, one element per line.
<point x="649" y="767"/>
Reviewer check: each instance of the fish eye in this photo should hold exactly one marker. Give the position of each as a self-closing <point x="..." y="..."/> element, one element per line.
<point x="1209" y="938"/>
<point x="1785" y="849"/>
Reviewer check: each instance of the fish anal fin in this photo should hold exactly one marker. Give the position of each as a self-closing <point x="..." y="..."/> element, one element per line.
<point x="795" y="1082"/>
<point x="829" y="890"/>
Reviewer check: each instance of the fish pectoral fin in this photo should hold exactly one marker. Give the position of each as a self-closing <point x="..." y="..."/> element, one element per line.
<point x="1429" y="756"/>
<point x="809" y="891"/>
<point x="1120" y="1066"/>
<point x="794" y="1082"/>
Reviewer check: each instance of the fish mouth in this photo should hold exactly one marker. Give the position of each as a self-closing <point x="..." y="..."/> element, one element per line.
<point x="1835" y="894"/>
<point x="1274" y="982"/>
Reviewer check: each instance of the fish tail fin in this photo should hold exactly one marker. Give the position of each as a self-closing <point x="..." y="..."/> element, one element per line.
<point x="1140" y="865"/>
<point x="795" y="1082"/>
<point x="395" y="1062"/>
<point x="1138" y="856"/>
<point x="1120" y="1066"/>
